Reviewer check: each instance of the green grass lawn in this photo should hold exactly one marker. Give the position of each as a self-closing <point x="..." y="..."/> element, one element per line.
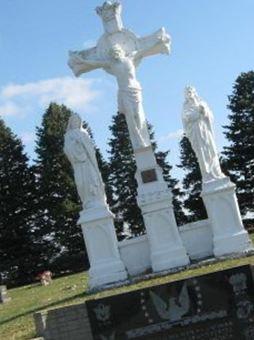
<point x="16" y="316"/>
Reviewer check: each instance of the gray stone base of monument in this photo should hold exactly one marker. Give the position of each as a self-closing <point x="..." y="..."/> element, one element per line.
<point x="155" y="200"/>
<point x="66" y="323"/>
<point x="4" y="298"/>
<point x="229" y="235"/>
<point x="102" y="247"/>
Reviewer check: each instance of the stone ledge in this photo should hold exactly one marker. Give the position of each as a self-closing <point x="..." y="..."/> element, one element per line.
<point x="69" y="322"/>
<point x="194" y="265"/>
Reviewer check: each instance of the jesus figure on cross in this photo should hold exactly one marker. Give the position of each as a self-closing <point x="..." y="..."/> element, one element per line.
<point x="119" y="52"/>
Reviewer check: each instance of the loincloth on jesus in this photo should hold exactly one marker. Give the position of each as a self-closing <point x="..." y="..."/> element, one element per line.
<point x="130" y="101"/>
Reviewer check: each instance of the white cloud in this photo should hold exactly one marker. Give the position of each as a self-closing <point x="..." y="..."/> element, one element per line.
<point x="9" y="108"/>
<point x="172" y="135"/>
<point x="76" y="94"/>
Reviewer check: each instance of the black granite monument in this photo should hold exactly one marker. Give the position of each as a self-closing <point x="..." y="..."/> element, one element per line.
<point x="217" y="306"/>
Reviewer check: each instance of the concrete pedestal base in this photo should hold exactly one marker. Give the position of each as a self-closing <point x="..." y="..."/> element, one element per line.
<point x="167" y="250"/>
<point x="155" y="200"/>
<point x="229" y="235"/>
<point x="102" y="247"/>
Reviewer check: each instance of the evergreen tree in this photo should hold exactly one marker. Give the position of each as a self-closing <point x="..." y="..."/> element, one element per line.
<point x="105" y="173"/>
<point x="19" y="256"/>
<point x="122" y="178"/>
<point x="192" y="182"/>
<point x="239" y="153"/>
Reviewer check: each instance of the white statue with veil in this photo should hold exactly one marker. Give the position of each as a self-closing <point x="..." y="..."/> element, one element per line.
<point x="198" y="126"/>
<point x="218" y="192"/>
<point x="96" y="220"/>
<point x="119" y="52"/>
<point x="80" y="151"/>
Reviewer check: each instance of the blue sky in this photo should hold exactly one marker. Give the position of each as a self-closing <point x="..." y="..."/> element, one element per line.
<point x="212" y="43"/>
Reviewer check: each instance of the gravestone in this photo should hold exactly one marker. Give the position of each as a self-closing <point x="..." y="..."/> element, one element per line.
<point x="3" y="295"/>
<point x="217" y="306"/>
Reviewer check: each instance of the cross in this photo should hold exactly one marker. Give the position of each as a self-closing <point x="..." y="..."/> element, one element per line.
<point x="119" y="52"/>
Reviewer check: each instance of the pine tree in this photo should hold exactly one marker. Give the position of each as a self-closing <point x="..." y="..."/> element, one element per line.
<point x="19" y="257"/>
<point x="58" y="199"/>
<point x="192" y="182"/>
<point x="239" y="153"/>
<point x="122" y="178"/>
<point x="104" y="168"/>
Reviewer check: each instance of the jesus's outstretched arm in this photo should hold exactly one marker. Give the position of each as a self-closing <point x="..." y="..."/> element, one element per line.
<point x="158" y="42"/>
<point x="80" y="63"/>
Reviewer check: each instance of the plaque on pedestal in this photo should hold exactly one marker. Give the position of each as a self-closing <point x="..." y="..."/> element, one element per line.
<point x="148" y="176"/>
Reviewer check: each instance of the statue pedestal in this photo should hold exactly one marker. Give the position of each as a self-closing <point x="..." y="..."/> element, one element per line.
<point x="229" y="235"/>
<point x="102" y="247"/>
<point x="155" y="201"/>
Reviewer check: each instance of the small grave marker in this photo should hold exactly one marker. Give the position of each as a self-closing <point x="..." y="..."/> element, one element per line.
<point x="3" y="295"/>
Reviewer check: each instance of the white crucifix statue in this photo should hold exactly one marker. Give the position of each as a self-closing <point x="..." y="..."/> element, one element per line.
<point x="119" y="52"/>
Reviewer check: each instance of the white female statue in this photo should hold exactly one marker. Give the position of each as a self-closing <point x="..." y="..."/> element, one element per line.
<point x="80" y="151"/>
<point x="197" y="121"/>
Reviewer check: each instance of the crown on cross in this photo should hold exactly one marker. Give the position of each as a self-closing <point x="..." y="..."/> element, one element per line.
<point x="109" y="10"/>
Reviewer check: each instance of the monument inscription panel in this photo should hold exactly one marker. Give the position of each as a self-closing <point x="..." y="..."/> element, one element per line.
<point x="149" y="176"/>
<point x="215" y="306"/>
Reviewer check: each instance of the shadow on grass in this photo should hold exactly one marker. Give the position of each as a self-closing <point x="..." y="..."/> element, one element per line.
<point x="43" y="307"/>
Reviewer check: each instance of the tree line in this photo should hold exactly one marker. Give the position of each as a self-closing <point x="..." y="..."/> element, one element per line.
<point x="39" y="205"/>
